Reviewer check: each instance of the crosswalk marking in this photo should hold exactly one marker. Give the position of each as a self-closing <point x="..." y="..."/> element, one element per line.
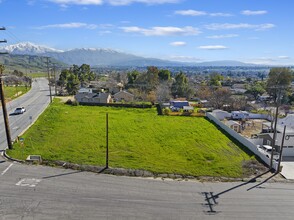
<point x="28" y="182"/>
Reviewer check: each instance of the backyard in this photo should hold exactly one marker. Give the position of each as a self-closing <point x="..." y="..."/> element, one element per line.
<point x="138" y="139"/>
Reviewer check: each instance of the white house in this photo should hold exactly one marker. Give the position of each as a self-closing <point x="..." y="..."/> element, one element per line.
<point x="93" y="97"/>
<point x="239" y="115"/>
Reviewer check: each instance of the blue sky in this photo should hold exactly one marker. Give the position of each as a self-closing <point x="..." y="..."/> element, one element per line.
<point x="255" y="31"/>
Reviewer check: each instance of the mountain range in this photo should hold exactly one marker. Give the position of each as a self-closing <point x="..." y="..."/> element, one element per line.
<point x="102" y="57"/>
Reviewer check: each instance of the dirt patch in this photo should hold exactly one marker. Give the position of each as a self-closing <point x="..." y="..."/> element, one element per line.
<point x="65" y="98"/>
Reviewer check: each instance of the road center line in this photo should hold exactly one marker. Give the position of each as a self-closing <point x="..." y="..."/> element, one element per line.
<point x="6" y="169"/>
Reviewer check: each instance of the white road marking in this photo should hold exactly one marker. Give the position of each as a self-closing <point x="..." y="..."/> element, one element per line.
<point x="6" y="169"/>
<point x="28" y="182"/>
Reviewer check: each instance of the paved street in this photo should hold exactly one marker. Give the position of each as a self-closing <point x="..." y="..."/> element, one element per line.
<point x="35" y="101"/>
<point x="37" y="192"/>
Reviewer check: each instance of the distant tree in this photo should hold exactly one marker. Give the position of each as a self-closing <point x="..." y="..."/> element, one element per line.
<point x="2" y="68"/>
<point x="163" y="92"/>
<point x="278" y="82"/>
<point x="132" y="76"/>
<point x="63" y="78"/>
<point x="204" y="92"/>
<point x="18" y="73"/>
<point x="152" y="78"/>
<point x="151" y="97"/>
<point x="85" y="74"/>
<point x="237" y="102"/>
<point x="219" y="97"/>
<point x="180" y="86"/>
<point x="164" y="75"/>
<point x="215" y="79"/>
<point x="255" y="89"/>
<point x="72" y="85"/>
<point x="261" y="75"/>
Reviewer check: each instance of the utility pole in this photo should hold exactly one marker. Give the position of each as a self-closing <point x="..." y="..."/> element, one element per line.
<point x="6" y="122"/>
<point x="281" y="151"/>
<point x="275" y="125"/>
<point x="106" y="166"/>
<point x="48" y="72"/>
<point x="55" y="80"/>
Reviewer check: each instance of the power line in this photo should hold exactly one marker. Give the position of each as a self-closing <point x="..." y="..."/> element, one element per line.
<point x="6" y="122"/>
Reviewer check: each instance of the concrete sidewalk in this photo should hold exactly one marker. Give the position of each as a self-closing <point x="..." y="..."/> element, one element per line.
<point x="288" y="170"/>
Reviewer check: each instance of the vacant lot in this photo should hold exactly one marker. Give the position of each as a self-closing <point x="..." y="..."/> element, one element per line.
<point x="12" y="92"/>
<point x="138" y="138"/>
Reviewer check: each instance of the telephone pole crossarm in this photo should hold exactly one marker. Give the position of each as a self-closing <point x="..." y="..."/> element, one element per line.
<point x="5" y="115"/>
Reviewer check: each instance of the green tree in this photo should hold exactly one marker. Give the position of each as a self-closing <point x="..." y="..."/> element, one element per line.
<point x="132" y="76"/>
<point x="72" y="85"/>
<point x="278" y="82"/>
<point x="215" y="79"/>
<point x="181" y="87"/>
<point x="152" y="78"/>
<point x="85" y="74"/>
<point x="255" y="89"/>
<point x="164" y="75"/>
<point x="18" y="73"/>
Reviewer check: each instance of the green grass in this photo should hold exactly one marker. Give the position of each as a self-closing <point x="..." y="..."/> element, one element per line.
<point x="38" y="74"/>
<point x="138" y="139"/>
<point x="12" y="92"/>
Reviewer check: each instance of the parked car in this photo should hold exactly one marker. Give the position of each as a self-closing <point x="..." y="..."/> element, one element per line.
<point x="19" y="110"/>
<point x="267" y="150"/>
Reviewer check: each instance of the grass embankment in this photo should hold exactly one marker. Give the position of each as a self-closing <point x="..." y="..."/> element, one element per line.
<point x="138" y="139"/>
<point x="12" y="92"/>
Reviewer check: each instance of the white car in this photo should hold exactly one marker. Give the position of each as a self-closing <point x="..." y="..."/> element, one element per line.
<point x="19" y="110"/>
<point x="267" y="150"/>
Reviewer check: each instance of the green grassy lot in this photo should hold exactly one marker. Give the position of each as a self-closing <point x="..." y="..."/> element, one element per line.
<point x="138" y="138"/>
<point x="11" y="92"/>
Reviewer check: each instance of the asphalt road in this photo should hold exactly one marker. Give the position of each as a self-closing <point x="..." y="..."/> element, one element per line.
<point x="35" y="101"/>
<point x="37" y="192"/>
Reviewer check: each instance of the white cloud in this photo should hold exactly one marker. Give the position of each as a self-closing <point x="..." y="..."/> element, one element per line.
<point x="263" y="61"/>
<point x="149" y="2"/>
<point x="190" y="12"/>
<point x="227" y="26"/>
<point x="185" y="58"/>
<point x="163" y="31"/>
<point x="213" y="47"/>
<point x="284" y="57"/>
<point x="77" y="2"/>
<point x="249" y="12"/>
<point x="223" y="36"/>
<point x="111" y="2"/>
<point x="69" y="26"/>
<point x="220" y="14"/>
<point x="178" y="43"/>
<point x="200" y="13"/>
<point x="280" y="60"/>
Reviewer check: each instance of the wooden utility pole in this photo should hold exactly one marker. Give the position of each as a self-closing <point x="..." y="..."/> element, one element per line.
<point x="2" y="96"/>
<point x="281" y="151"/>
<point x="48" y="72"/>
<point x="106" y="166"/>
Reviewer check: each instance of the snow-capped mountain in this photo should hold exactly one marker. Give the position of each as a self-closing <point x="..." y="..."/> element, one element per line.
<point x="101" y="57"/>
<point x="91" y="56"/>
<point x="28" y="49"/>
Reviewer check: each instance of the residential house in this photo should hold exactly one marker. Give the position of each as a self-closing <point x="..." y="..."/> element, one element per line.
<point x="93" y="98"/>
<point x="123" y="96"/>
<point x="288" y="146"/>
<point x="220" y="114"/>
<point x="239" y="115"/>
<point x="239" y="88"/>
<point x="234" y="125"/>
